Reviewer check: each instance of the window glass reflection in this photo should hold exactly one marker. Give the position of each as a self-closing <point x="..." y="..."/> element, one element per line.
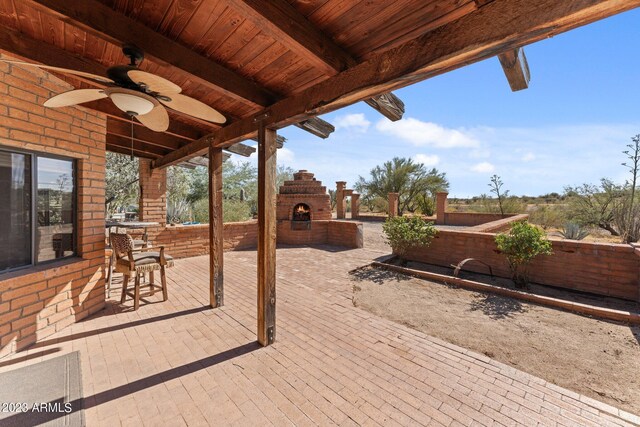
<point x="55" y="221"/>
<point x="15" y="210"/>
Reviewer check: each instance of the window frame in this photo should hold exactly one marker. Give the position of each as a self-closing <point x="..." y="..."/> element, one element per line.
<point x="33" y="161"/>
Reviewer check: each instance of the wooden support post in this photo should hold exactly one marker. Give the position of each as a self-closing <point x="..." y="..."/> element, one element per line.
<point x="216" y="242"/>
<point x="266" y="235"/>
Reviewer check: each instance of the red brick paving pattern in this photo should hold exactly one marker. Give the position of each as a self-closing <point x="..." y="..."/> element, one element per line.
<point x="178" y="363"/>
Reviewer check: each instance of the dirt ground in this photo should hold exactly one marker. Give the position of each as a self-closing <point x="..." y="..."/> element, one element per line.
<point x="596" y="358"/>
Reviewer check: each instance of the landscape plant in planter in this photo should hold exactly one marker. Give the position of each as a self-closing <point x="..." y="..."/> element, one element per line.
<point x="404" y="233"/>
<point x="522" y="244"/>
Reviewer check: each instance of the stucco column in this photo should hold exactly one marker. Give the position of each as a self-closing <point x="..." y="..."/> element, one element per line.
<point x="441" y="207"/>
<point x="393" y="204"/>
<point x="341" y="206"/>
<point x="355" y="206"/>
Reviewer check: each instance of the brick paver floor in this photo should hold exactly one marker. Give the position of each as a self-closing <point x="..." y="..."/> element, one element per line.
<point x="181" y="363"/>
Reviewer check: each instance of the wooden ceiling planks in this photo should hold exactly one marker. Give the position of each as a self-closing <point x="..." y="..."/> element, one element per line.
<point x="407" y="24"/>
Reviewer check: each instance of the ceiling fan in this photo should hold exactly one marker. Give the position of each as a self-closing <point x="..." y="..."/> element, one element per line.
<point x="138" y="93"/>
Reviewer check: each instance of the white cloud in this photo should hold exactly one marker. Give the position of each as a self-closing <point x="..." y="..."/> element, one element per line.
<point x="285" y="156"/>
<point x="484" y="167"/>
<point x="421" y="133"/>
<point x="426" y="159"/>
<point x="529" y="157"/>
<point x="357" y="122"/>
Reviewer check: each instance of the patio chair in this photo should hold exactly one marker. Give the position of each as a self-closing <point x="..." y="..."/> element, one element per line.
<point x="137" y="244"/>
<point x="136" y="262"/>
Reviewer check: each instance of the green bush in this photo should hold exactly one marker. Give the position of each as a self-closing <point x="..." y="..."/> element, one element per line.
<point x="426" y="205"/>
<point x="235" y="210"/>
<point x="404" y="233"/>
<point x="548" y="216"/>
<point x="523" y="243"/>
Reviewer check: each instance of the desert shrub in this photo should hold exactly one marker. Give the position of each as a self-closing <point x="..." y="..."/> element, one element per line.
<point x="486" y="204"/>
<point x="200" y="210"/>
<point x="403" y="233"/>
<point x="548" y="216"/>
<point x="235" y="210"/>
<point x="573" y="231"/>
<point x="523" y="243"/>
<point x="425" y="204"/>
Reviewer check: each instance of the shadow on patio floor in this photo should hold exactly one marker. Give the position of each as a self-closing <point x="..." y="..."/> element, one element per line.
<point x="132" y="324"/>
<point x="141" y="384"/>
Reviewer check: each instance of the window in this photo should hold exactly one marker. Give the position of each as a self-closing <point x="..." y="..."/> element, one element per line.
<point x="37" y="209"/>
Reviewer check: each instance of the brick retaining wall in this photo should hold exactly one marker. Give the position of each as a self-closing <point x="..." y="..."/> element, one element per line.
<point x="599" y="268"/>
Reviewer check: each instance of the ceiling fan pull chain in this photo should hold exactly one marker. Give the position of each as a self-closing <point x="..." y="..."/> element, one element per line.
<point x="131" y="137"/>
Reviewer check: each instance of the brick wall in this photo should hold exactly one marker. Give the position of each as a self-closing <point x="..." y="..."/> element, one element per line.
<point x="339" y="233"/>
<point x="470" y="219"/>
<point x="599" y="268"/>
<point x="38" y="301"/>
<point x="193" y="240"/>
<point x="153" y="193"/>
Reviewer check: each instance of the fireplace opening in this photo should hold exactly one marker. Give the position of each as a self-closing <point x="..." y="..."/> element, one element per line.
<point x="301" y="212"/>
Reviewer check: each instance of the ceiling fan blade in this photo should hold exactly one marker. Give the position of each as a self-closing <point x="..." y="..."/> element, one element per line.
<point x="156" y="120"/>
<point x="61" y="70"/>
<point x="193" y="107"/>
<point x="73" y="97"/>
<point x="153" y="83"/>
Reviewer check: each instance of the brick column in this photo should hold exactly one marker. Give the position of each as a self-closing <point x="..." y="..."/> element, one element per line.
<point x="393" y="204"/>
<point x="153" y="193"/>
<point x="441" y="207"/>
<point x="341" y="206"/>
<point x="355" y="206"/>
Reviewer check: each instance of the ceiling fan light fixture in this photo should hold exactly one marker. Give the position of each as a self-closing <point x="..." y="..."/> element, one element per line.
<point x="131" y="104"/>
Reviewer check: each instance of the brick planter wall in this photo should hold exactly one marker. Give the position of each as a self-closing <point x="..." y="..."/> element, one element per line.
<point x="599" y="268"/>
<point x="35" y="302"/>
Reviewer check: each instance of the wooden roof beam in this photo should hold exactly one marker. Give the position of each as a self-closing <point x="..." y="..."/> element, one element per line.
<point x="388" y="104"/>
<point x="101" y="21"/>
<point x="516" y="69"/>
<point x="316" y="126"/>
<point x="281" y="21"/>
<point x="494" y="29"/>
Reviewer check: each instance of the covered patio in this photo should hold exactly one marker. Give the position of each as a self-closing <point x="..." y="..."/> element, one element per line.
<point x="263" y="65"/>
<point x="183" y="363"/>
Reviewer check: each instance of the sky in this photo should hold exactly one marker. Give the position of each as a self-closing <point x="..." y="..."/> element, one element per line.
<point x="569" y="127"/>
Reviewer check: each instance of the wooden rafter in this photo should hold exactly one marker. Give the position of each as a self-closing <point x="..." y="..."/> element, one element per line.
<point x="284" y="23"/>
<point x="495" y="28"/>
<point x="101" y="21"/>
<point x="516" y="69"/>
<point x="316" y="126"/>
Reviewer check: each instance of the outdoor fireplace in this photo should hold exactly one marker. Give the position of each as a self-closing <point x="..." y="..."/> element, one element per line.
<point x="301" y="212"/>
<point x="302" y="201"/>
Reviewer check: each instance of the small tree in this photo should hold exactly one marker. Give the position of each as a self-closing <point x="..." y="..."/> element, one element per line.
<point x="403" y="233"/>
<point x="523" y="243"/>
<point x="629" y="232"/>
<point x="496" y="185"/>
